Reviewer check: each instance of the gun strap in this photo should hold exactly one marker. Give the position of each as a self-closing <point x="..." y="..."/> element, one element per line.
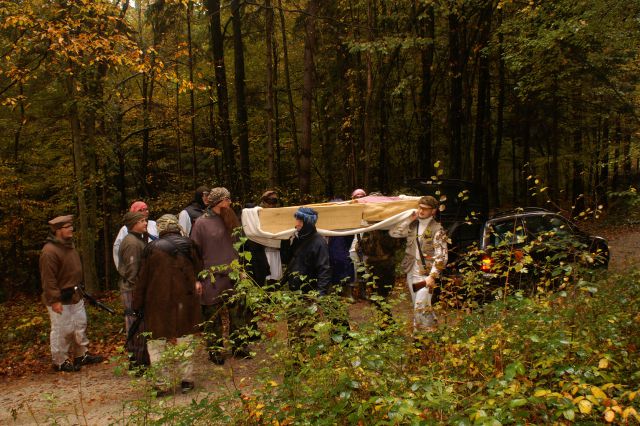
<point x="422" y="259"/>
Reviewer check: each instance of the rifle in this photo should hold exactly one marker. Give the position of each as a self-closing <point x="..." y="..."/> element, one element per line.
<point x="93" y="300"/>
<point x="133" y="330"/>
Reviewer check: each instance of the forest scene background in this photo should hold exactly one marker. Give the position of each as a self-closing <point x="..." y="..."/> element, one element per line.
<point x="106" y="102"/>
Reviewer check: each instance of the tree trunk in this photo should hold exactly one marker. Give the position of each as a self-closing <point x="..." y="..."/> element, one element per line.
<point x="602" y="186"/>
<point x="426" y="113"/>
<point x="241" y="99"/>
<point x="482" y="143"/>
<point x="192" y="102"/>
<point x="86" y="235"/>
<point x="213" y="137"/>
<point x="617" y="141"/>
<point x="494" y="167"/>
<point x="455" y="105"/>
<point x="307" y="97"/>
<point x="287" y="77"/>
<point x="367" y="136"/>
<point x="217" y="48"/>
<point x="577" y="185"/>
<point x="270" y="104"/>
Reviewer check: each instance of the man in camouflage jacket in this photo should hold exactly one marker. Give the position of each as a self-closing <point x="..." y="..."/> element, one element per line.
<point x="425" y="257"/>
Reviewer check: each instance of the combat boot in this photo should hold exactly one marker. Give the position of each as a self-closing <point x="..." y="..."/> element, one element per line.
<point x="67" y="366"/>
<point x="88" y="358"/>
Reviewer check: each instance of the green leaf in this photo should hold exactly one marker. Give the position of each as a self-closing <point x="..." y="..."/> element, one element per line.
<point x="569" y="414"/>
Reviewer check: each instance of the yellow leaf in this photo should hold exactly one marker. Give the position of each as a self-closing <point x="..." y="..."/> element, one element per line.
<point x="584" y="406"/>
<point x="593" y="399"/>
<point x="609" y="416"/>
<point x="630" y="411"/>
<point x="597" y="392"/>
<point x="540" y="392"/>
<point x="259" y="406"/>
<point x="603" y="364"/>
<point x="632" y="396"/>
<point x="273" y="383"/>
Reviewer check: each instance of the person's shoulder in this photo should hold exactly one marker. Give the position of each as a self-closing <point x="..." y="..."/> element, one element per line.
<point x="48" y="249"/>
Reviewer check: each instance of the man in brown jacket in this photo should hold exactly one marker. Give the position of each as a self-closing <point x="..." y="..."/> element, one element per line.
<point x="130" y="255"/>
<point x="60" y="274"/>
<point x="167" y="292"/>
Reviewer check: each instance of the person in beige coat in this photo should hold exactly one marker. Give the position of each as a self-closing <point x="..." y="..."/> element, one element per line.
<point x="425" y="258"/>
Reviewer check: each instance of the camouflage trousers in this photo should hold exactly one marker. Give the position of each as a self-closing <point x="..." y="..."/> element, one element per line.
<point x="239" y="324"/>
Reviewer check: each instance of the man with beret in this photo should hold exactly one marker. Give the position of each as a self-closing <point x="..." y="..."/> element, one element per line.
<point x="188" y="216"/>
<point x="213" y="233"/>
<point x="60" y="274"/>
<point x="130" y="256"/>
<point x="167" y="293"/>
<point x="426" y="256"/>
<point x="152" y="230"/>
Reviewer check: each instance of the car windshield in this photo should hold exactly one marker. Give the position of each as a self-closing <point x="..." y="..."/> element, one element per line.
<point x="508" y="231"/>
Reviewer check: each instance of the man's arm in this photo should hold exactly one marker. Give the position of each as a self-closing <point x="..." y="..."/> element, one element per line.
<point x="130" y="256"/>
<point x="323" y="267"/>
<point x="441" y="253"/>
<point x="184" y="220"/>
<point x="401" y="230"/>
<point x="116" y="245"/>
<point x="48" y="272"/>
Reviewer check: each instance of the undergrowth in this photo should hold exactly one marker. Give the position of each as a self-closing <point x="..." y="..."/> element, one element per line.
<point x="569" y="356"/>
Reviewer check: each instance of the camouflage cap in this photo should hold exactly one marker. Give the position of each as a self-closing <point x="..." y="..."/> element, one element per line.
<point x="218" y="194"/>
<point x="168" y="223"/>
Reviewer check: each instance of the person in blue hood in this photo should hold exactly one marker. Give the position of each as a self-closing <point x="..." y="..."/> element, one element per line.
<point x="309" y="267"/>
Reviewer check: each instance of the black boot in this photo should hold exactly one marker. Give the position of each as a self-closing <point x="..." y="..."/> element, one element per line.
<point x="216" y="357"/>
<point x="67" y="366"/>
<point x="88" y="358"/>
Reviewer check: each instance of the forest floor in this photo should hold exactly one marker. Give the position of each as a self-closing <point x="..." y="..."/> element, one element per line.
<point x="34" y="394"/>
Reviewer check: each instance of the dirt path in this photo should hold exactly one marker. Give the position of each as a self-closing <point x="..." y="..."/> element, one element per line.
<point x="96" y="396"/>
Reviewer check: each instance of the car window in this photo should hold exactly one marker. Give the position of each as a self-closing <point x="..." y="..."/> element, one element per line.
<point x="547" y="224"/>
<point x="508" y="231"/>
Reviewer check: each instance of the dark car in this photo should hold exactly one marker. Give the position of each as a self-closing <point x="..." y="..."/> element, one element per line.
<point x="526" y="248"/>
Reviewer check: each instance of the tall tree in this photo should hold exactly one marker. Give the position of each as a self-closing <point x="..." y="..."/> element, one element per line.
<point x="271" y="99"/>
<point x="307" y="96"/>
<point x="241" y="101"/>
<point x="222" y="91"/>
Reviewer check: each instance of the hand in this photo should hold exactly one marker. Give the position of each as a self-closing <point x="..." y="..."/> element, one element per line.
<point x="430" y="282"/>
<point x="414" y="215"/>
<point x="198" y="288"/>
<point x="57" y="307"/>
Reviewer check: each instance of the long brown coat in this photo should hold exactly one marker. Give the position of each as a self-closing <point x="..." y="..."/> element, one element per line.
<point x="216" y="245"/>
<point x="165" y="289"/>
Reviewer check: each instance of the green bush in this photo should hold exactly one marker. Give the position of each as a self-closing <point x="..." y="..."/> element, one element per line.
<point x="556" y="357"/>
